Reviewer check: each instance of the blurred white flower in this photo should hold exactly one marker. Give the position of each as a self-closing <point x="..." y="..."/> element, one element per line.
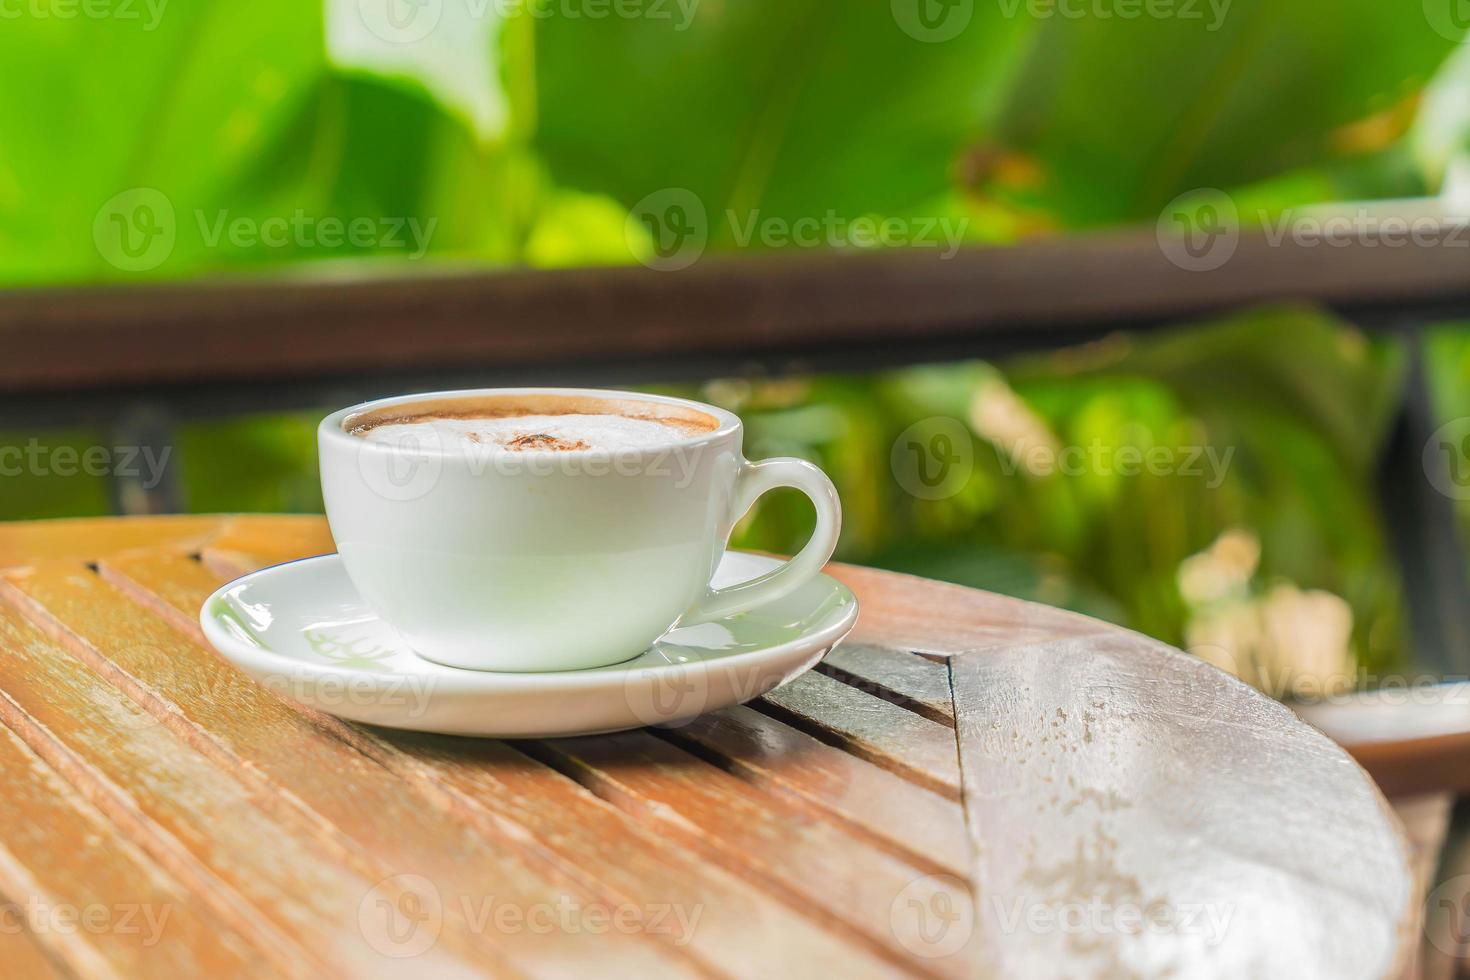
<point x="1289" y="642"/>
<point x="1306" y="642"/>
<point x="1223" y="570"/>
<point x="1000" y="415"/>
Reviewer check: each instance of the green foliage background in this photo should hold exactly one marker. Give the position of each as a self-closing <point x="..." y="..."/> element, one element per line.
<point x="1019" y="125"/>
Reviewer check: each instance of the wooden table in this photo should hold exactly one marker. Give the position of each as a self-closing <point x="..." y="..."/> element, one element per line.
<point x="970" y="786"/>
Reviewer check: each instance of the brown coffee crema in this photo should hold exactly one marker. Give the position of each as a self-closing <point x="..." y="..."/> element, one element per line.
<point x="683" y="420"/>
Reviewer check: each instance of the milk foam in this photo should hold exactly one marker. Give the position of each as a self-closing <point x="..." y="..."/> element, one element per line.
<point x="523" y="433"/>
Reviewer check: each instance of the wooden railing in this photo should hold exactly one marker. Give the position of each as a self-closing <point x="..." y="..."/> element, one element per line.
<point x="138" y="358"/>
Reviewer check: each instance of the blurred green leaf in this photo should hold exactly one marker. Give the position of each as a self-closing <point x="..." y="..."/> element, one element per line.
<point x="795" y="108"/>
<point x="1119" y="115"/>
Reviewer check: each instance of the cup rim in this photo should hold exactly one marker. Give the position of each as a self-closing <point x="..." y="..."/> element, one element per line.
<point x="330" y="428"/>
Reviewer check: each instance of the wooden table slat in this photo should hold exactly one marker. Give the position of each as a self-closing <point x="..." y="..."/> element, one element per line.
<point x="545" y="812"/>
<point x="962" y="752"/>
<point x="201" y="826"/>
<point x="920" y="826"/>
<point x="363" y="813"/>
<point x="1111" y="795"/>
<point x="24" y="956"/>
<point x="877" y="730"/>
<point x="86" y="539"/>
<point x="62" y="861"/>
<point x="788" y="848"/>
<point x="734" y="919"/>
<point x="916" y="683"/>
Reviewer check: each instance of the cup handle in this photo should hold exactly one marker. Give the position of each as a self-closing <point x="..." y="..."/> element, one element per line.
<point x="753" y="480"/>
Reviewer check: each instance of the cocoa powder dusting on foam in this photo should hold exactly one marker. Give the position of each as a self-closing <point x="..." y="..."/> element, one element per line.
<point x="540" y="440"/>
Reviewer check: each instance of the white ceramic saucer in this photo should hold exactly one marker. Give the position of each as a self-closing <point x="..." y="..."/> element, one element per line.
<point x="302" y="630"/>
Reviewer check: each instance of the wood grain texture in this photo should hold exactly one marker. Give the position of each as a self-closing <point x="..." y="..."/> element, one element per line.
<point x="1426" y="822"/>
<point x="95" y="901"/>
<point x="25" y="542"/>
<point x="904" y="612"/>
<point x="24" y="956"/>
<point x="921" y="826"/>
<point x="267" y="878"/>
<point x="1123" y="776"/>
<point x="788" y="848"/>
<point x="726" y="919"/>
<point x="362" y="815"/>
<point x="244" y="544"/>
<point x="63" y="339"/>
<point x="505" y="794"/>
<point x="917" y="683"/>
<point x="869" y="727"/>
<point x="883" y="816"/>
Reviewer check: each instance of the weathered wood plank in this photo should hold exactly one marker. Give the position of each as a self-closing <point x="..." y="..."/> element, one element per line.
<point x="1426" y="822"/>
<point x="918" y="825"/>
<point x="269" y="880"/>
<point x="894" y="300"/>
<point x="1132" y="784"/>
<point x="915" y="682"/>
<point x="24" y="957"/>
<point x="91" y="897"/>
<point x="86" y="539"/>
<point x="791" y="849"/>
<point x="726" y="920"/>
<point x="171" y="586"/>
<point x="368" y="818"/>
<point x="879" y="731"/>
<point x="504" y="793"/>
<point x="936" y="618"/>
<point x="247" y="543"/>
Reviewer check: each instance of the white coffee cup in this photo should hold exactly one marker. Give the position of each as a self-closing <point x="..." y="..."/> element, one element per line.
<point x="552" y="560"/>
